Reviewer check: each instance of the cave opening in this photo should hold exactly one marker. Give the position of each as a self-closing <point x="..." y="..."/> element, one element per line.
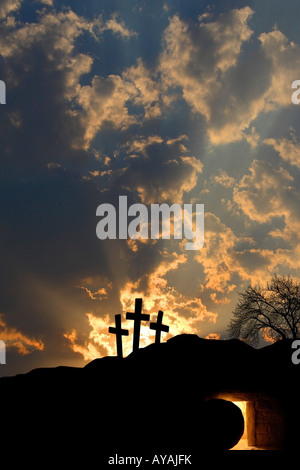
<point x="243" y="442"/>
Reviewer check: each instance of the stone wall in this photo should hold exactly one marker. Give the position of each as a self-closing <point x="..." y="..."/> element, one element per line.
<point x="265" y="422"/>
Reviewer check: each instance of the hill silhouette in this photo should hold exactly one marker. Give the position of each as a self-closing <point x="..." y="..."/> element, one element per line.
<point x="154" y="400"/>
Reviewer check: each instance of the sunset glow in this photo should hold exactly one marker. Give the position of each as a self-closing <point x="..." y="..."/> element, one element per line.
<point x="161" y="103"/>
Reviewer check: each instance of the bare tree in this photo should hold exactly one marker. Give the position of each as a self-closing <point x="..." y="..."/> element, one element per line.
<point x="272" y="311"/>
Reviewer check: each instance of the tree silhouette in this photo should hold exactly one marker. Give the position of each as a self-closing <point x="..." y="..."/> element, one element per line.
<point x="272" y="311"/>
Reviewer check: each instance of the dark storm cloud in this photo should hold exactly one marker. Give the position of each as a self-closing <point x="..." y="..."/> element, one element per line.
<point x="47" y="237"/>
<point x="49" y="249"/>
<point x="205" y="59"/>
<point x="48" y="240"/>
<point x="159" y="170"/>
<point x="7" y="6"/>
<point x="41" y="72"/>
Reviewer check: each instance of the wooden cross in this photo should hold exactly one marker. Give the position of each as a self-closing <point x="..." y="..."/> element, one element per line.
<point x="159" y="327"/>
<point x="119" y="333"/>
<point x="138" y="317"/>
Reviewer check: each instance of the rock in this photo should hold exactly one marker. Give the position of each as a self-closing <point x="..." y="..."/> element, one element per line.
<point x="158" y="399"/>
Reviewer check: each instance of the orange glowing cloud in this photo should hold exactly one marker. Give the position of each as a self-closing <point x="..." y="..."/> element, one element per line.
<point x="98" y="294"/>
<point x="181" y="313"/>
<point x="213" y="336"/>
<point x="99" y="343"/>
<point x="17" y="340"/>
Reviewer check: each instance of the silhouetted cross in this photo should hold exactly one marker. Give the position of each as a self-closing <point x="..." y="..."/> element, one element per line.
<point x="159" y="327"/>
<point x="138" y="317"/>
<point x="119" y="333"/>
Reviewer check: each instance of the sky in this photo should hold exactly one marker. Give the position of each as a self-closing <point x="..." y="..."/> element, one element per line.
<point x="177" y="102"/>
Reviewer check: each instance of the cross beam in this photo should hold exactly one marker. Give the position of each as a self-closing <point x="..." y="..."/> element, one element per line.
<point x="159" y="327"/>
<point x="138" y="317"/>
<point x="119" y="332"/>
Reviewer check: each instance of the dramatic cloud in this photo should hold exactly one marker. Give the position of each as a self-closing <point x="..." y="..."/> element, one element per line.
<point x="183" y="314"/>
<point x="230" y="260"/>
<point x="158" y="170"/>
<point x="53" y="70"/>
<point x="275" y="188"/>
<point x="147" y="92"/>
<point x="161" y="104"/>
<point x="17" y="340"/>
<point x="7" y="6"/>
<point x="288" y="149"/>
<point x="45" y="2"/>
<point x="196" y="55"/>
<point x="204" y="60"/>
<point x="105" y="102"/>
<point x="41" y="93"/>
<point x="279" y="212"/>
<point x="99" y="343"/>
<point x="225" y="180"/>
<point x="117" y="27"/>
